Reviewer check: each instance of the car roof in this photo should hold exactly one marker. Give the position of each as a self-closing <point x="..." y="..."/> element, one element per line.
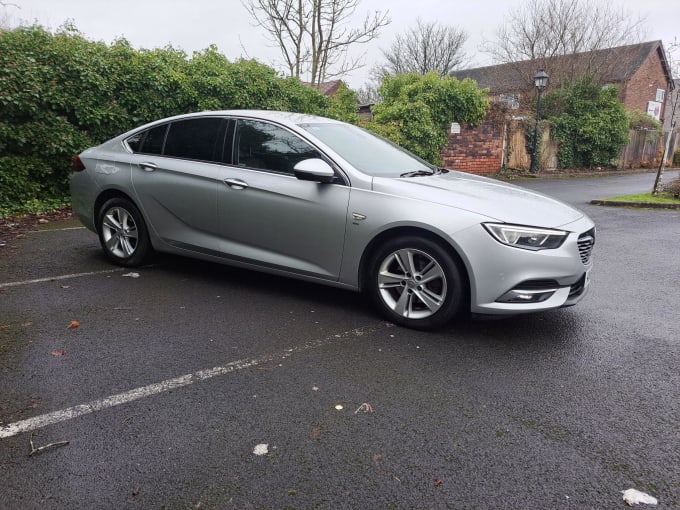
<point x="290" y="119"/>
<point x="275" y="116"/>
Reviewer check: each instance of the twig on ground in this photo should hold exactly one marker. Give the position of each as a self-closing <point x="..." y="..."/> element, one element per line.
<point x="35" y="451"/>
<point x="365" y="408"/>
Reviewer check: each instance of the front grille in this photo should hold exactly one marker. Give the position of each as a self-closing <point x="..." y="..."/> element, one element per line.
<point x="586" y="241"/>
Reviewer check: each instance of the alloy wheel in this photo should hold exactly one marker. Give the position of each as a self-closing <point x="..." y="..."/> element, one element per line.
<point x="412" y="283"/>
<point x="119" y="232"/>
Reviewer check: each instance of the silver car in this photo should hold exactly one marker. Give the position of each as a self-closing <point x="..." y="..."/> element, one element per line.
<point x="325" y="201"/>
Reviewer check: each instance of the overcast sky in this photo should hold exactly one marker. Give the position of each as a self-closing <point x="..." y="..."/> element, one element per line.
<point x="195" y="24"/>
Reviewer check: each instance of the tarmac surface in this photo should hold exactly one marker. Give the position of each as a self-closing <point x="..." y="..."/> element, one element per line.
<point x="193" y="385"/>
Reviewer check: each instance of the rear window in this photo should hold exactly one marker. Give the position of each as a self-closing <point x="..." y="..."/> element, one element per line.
<point x="194" y="139"/>
<point x="149" y="141"/>
<point x="197" y="139"/>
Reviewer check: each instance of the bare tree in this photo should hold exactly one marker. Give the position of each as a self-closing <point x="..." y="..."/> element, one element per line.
<point x="540" y="29"/>
<point x="369" y="93"/>
<point x="429" y="46"/>
<point x="545" y="31"/>
<point x="314" y="36"/>
<point x="5" y="18"/>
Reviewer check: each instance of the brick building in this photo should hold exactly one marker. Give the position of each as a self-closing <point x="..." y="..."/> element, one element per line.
<point x="640" y="70"/>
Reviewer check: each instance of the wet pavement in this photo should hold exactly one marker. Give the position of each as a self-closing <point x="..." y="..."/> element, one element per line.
<point x="173" y="378"/>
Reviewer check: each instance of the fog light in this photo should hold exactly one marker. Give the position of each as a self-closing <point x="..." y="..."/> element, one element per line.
<point x="526" y="296"/>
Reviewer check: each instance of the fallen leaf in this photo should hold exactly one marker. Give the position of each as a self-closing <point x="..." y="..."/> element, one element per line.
<point x="65" y="286"/>
<point x="60" y="352"/>
<point x="437" y="483"/>
<point x="73" y="325"/>
<point x="377" y="457"/>
<point x="136" y="491"/>
<point x="42" y="221"/>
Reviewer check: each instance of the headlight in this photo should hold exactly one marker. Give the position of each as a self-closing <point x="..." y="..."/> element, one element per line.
<point x="529" y="238"/>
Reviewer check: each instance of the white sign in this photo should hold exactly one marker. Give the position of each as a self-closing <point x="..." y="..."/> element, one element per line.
<point x="654" y="109"/>
<point x="455" y="128"/>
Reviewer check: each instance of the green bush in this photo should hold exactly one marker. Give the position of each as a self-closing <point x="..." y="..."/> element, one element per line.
<point x="343" y="105"/>
<point x="417" y="111"/>
<point x="637" y="119"/>
<point x="61" y="93"/>
<point x="589" y="123"/>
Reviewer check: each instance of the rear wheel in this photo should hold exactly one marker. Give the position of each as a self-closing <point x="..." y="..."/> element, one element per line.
<point x="416" y="283"/>
<point x="122" y="233"/>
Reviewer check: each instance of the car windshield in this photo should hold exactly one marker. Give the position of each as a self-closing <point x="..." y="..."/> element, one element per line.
<point x="367" y="152"/>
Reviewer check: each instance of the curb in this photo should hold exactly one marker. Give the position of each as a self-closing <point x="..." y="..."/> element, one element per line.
<point x="576" y="174"/>
<point x="639" y="205"/>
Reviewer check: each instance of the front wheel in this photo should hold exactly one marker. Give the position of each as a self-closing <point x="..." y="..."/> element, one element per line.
<point x="416" y="283"/>
<point x="122" y="233"/>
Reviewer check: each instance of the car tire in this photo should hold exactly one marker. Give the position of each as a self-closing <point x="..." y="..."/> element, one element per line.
<point x="416" y="283"/>
<point x="122" y="233"/>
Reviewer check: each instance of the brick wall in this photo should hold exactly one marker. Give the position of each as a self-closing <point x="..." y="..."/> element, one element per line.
<point x="642" y="86"/>
<point x="475" y="150"/>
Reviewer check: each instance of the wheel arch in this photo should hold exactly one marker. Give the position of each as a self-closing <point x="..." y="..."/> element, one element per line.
<point x="392" y="233"/>
<point x="116" y="237"/>
<point x="106" y="195"/>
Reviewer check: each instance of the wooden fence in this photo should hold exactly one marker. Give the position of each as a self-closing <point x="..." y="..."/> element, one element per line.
<point x="644" y="150"/>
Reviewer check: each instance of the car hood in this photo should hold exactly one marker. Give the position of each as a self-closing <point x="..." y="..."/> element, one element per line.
<point x="496" y="200"/>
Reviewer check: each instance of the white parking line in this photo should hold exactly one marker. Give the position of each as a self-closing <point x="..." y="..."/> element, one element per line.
<point x="44" y="420"/>
<point x="61" y="277"/>
<point x="53" y="230"/>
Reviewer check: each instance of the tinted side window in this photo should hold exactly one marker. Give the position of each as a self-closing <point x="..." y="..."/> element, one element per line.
<point x="135" y="141"/>
<point x="269" y="147"/>
<point x="194" y="139"/>
<point x="153" y="141"/>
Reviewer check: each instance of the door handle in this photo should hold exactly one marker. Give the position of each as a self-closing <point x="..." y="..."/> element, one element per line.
<point x="235" y="183"/>
<point x="148" y="167"/>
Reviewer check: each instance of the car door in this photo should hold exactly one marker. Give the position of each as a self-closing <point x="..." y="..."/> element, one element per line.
<point x="175" y="174"/>
<point x="269" y="217"/>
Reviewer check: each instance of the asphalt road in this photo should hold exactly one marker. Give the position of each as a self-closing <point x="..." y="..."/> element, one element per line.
<point x="174" y="379"/>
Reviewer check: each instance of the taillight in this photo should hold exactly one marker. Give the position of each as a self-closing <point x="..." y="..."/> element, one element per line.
<point x="78" y="165"/>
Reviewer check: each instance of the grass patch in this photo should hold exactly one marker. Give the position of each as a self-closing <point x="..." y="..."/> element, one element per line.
<point x="646" y="198"/>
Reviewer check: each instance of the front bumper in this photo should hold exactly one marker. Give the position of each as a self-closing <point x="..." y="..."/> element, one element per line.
<point x="505" y="280"/>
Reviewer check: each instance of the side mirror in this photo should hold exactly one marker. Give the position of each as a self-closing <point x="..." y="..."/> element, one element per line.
<point x="314" y="169"/>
